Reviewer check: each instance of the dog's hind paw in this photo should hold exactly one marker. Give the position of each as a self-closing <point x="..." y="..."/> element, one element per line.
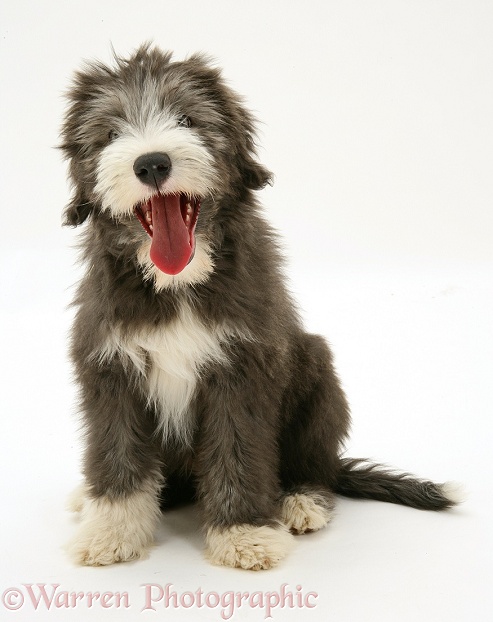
<point x="302" y="512"/>
<point x="77" y="499"/>
<point x="248" y="546"/>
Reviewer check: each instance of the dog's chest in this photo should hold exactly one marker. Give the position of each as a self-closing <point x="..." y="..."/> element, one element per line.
<point x="170" y="360"/>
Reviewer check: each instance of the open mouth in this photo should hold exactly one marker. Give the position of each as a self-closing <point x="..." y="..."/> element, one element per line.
<point x="170" y="220"/>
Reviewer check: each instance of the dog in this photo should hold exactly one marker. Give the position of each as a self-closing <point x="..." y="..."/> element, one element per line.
<point x="197" y="380"/>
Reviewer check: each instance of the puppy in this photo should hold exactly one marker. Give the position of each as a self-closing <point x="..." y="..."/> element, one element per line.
<point x="197" y="379"/>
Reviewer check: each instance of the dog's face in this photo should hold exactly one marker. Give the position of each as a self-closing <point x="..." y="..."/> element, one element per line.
<point x="159" y="143"/>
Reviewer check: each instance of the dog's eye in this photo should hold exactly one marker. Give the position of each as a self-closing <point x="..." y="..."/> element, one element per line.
<point x="112" y="134"/>
<point x="184" y="121"/>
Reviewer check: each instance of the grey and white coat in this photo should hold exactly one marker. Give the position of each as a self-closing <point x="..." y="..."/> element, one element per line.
<point x="197" y="380"/>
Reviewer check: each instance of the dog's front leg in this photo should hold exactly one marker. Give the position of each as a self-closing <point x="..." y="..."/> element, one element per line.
<point x="238" y="480"/>
<point x="119" y="508"/>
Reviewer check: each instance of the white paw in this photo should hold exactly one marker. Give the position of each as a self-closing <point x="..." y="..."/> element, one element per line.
<point x="247" y="546"/>
<point x="77" y="499"/>
<point x="305" y="512"/>
<point x="102" y="548"/>
<point x="115" y="530"/>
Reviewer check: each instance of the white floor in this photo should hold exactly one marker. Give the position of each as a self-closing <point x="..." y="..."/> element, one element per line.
<point x="377" y="123"/>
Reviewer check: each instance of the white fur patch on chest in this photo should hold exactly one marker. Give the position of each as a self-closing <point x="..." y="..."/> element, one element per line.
<point x="171" y="358"/>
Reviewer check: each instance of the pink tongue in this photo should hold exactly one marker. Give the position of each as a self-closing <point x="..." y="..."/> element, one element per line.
<point x="170" y="245"/>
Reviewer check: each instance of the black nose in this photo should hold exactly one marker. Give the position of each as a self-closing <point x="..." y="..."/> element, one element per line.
<point x="152" y="168"/>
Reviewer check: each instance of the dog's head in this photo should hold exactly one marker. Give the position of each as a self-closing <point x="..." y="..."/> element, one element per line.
<point x="157" y="141"/>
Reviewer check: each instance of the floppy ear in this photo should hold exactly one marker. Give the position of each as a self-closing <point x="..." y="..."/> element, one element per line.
<point x="253" y="174"/>
<point x="77" y="210"/>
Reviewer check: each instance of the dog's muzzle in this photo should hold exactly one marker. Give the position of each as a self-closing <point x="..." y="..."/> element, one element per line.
<point x="169" y="219"/>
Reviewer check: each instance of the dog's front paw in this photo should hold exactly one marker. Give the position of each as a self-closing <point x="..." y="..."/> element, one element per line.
<point x="115" y="530"/>
<point x="247" y="546"/>
<point x="106" y="547"/>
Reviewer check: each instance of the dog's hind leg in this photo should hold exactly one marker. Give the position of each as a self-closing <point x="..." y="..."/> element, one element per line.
<point x="316" y="424"/>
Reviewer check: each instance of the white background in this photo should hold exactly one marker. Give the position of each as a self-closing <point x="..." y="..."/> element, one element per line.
<point x="376" y="118"/>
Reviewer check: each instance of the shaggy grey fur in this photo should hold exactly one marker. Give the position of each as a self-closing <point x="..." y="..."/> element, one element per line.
<point x="272" y="418"/>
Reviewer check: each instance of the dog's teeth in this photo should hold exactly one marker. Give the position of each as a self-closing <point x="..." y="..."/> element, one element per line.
<point x="151" y="227"/>
<point x="149" y="217"/>
<point x="188" y="214"/>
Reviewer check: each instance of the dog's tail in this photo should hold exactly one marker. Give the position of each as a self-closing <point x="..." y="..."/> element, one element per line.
<point x="365" y="480"/>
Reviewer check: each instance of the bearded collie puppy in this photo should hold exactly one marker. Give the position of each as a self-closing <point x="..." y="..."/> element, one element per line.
<point x="197" y="380"/>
